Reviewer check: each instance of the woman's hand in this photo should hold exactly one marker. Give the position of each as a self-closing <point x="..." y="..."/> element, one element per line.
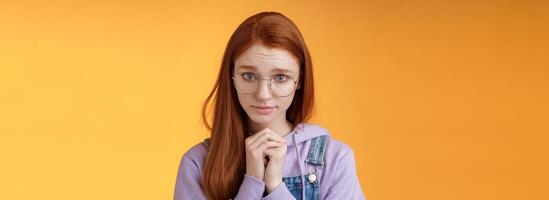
<point x="273" y="172"/>
<point x="256" y="158"/>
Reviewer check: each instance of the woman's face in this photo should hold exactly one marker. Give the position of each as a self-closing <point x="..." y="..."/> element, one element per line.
<point x="266" y="63"/>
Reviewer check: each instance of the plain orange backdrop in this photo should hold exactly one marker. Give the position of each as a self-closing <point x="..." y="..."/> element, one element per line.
<point x="438" y="99"/>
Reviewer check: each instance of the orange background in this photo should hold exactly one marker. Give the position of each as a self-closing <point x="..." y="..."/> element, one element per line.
<point x="439" y="99"/>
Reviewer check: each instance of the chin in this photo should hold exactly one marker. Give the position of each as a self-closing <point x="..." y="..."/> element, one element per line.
<point x="261" y="119"/>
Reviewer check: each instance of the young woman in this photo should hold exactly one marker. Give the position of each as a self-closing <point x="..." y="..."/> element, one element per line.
<point x="261" y="146"/>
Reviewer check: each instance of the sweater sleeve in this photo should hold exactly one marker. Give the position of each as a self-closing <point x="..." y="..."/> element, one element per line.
<point x="188" y="185"/>
<point x="251" y="188"/>
<point x="188" y="182"/>
<point x="346" y="185"/>
<point x="281" y="192"/>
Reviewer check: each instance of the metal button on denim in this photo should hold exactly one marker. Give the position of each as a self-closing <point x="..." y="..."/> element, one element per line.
<point x="311" y="187"/>
<point x="312" y="177"/>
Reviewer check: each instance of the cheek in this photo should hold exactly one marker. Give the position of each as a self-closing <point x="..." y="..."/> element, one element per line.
<point x="286" y="102"/>
<point x="243" y="101"/>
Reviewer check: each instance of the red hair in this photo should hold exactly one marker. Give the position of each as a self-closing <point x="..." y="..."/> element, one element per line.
<point x="225" y="163"/>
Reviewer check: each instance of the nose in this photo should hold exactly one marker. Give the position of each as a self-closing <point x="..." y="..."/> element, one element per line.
<point x="264" y="90"/>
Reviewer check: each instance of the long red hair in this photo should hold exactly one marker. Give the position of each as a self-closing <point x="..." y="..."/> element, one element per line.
<point x="224" y="167"/>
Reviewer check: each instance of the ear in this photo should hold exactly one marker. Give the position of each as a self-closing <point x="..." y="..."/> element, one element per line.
<point x="298" y="86"/>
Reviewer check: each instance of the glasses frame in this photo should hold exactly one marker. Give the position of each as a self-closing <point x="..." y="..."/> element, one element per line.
<point x="259" y="84"/>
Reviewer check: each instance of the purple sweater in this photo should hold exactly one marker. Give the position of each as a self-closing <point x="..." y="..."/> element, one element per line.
<point x="338" y="179"/>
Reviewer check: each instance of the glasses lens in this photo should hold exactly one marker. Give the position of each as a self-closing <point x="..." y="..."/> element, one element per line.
<point x="245" y="86"/>
<point x="280" y="88"/>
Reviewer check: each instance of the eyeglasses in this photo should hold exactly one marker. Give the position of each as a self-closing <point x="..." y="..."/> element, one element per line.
<point x="248" y="83"/>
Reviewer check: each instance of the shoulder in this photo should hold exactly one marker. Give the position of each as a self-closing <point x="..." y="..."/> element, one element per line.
<point x="337" y="150"/>
<point x="189" y="175"/>
<point x="337" y="153"/>
<point x="339" y="160"/>
<point x="195" y="155"/>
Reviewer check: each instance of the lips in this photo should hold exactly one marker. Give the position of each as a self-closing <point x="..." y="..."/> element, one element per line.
<point x="264" y="107"/>
<point x="264" y="110"/>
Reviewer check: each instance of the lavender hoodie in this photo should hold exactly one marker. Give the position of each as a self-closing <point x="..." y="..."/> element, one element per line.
<point x="338" y="179"/>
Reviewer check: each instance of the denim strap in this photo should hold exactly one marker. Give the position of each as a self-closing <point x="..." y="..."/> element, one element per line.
<point x="316" y="151"/>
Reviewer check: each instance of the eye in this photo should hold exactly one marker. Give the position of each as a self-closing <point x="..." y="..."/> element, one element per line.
<point x="248" y="76"/>
<point x="281" y="77"/>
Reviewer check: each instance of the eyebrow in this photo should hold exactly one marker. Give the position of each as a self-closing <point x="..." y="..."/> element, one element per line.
<point x="250" y="67"/>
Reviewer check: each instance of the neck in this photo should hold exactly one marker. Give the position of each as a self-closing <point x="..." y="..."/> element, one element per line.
<point x="282" y="127"/>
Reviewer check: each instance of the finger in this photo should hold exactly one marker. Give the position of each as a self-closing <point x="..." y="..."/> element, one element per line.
<point x="267" y="131"/>
<point x="271" y="152"/>
<point x="256" y="136"/>
<point x="255" y="140"/>
<point x="269" y="144"/>
<point x="274" y="136"/>
<point x="265" y="137"/>
<point x="260" y="140"/>
<point x="277" y="136"/>
<point x="259" y="134"/>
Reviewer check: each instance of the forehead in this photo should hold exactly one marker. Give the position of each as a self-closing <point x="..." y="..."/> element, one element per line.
<point x="266" y="59"/>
